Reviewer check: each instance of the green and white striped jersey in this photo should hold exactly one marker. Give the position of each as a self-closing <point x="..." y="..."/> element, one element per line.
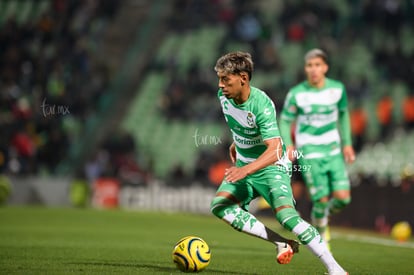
<point x="250" y="124"/>
<point x="316" y="112"/>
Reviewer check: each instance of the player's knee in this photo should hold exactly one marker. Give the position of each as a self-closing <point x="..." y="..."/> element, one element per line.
<point x="338" y="204"/>
<point x="345" y="202"/>
<point x="288" y="218"/>
<point x="320" y="209"/>
<point x="214" y="206"/>
<point x="218" y="205"/>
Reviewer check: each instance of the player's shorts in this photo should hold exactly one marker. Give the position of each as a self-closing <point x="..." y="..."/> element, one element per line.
<point x="322" y="176"/>
<point x="272" y="183"/>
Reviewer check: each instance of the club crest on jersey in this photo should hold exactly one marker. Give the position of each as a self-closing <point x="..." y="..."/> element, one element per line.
<point x="250" y="121"/>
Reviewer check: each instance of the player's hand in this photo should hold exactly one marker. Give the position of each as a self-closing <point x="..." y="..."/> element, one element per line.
<point x="232" y="152"/>
<point x="234" y="174"/>
<point x="349" y="154"/>
<point x="290" y="151"/>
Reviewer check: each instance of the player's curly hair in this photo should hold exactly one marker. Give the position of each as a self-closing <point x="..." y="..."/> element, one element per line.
<point x="235" y="63"/>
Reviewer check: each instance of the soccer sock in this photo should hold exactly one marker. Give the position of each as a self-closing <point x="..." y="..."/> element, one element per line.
<point x="243" y="221"/>
<point x="319" y="215"/>
<point x="307" y="235"/>
<point x="336" y="205"/>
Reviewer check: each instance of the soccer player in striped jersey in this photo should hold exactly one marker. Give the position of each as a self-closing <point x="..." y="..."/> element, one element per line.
<point x="322" y="138"/>
<point x="261" y="167"/>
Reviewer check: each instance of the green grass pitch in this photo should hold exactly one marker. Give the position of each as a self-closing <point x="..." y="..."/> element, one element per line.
<point x="38" y="240"/>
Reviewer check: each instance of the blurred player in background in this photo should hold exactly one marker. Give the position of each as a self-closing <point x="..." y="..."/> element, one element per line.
<point x="323" y="138"/>
<point x="261" y="167"/>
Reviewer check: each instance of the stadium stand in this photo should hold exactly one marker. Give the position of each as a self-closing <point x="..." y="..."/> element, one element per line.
<point x="91" y="52"/>
<point x="283" y="33"/>
<point x="49" y="79"/>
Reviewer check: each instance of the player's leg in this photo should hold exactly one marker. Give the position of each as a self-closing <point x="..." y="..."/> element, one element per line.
<point x="281" y="200"/>
<point x="230" y="204"/>
<point x="317" y="183"/>
<point x="320" y="218"/>
<point x="339" y="192"/>
<point x="341" y="188"/>
<point x="266" y="185"/>
<point x="308" y="236"/>
<point x="340" y="199"/>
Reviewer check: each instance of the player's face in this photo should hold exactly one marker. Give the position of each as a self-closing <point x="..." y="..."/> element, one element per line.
<point x="230" y="84"/>
<point x="315" y="69"/>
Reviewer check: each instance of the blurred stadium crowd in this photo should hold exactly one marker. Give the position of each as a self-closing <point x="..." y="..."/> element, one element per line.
<point x="370" y="46"/>
<point x="50" y="81"/>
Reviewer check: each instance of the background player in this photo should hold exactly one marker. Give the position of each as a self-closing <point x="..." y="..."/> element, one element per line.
<point x="319" y="106"/>
<point x="261" y="167"/>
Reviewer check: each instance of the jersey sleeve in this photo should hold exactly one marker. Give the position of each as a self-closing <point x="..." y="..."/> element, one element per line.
<point x="290" y="109"/>
<point x="343" y="102"/>
<point x="345" y="128"/>
<point x="344" y="121"/>
<point x="266" y="121"/>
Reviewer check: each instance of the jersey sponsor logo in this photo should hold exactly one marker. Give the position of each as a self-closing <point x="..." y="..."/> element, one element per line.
<point x="249" y="132"/>
<point x="247" y="141"/>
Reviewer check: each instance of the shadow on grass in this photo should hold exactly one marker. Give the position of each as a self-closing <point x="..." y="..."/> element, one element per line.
<point x="154" y="267"/>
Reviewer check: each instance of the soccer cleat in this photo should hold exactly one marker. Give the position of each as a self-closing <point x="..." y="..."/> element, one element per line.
<point x="294" y="245"/>
<point x="285" y="251"/>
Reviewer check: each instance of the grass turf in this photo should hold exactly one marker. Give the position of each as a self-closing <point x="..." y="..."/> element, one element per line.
<point x="37" y="240"/>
